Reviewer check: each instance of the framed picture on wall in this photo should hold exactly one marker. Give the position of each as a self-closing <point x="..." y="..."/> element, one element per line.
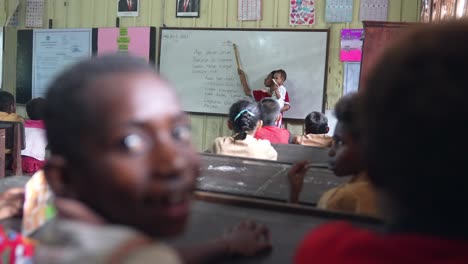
<point x="187" y="8"/>
<point x="128" y="8"/>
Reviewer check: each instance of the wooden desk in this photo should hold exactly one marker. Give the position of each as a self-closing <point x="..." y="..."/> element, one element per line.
<point x="292" y="153"/>
<point x="288" y="224"/>
<point x="13" y="182"/>
<point x="261" y="178"/>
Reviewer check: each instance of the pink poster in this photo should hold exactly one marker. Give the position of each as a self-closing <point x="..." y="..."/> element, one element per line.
<point x="133" y="40"/>
<point x="351" y="44"/>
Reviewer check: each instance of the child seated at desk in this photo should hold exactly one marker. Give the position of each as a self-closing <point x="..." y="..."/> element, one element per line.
<point x="419" y="85"/>
<point x="8" y="108"/>
<point x="34" y="129"/>
<point x="316" y="129"/>
<point x="122" y="169"/>
<point x="270" y="111"/>
<point x="244" y="120"/>
<point x="357" y="195"/>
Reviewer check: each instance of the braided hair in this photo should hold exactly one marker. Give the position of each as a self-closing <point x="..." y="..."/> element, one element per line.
<point x="316" y="123"/>
<point x="244" y="116"/>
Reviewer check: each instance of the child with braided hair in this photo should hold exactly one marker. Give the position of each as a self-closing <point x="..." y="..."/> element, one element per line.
<point x="244" y="120"/>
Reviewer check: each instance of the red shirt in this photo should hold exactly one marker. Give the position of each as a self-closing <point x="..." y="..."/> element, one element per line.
<point x="259" y="95"/>
<point x="274" y="134"/>
<point x="341" y="243"/>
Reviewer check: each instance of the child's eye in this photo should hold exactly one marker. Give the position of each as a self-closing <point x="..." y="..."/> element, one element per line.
<point x="337" y="142"/>
<point x="134" y="143"/>
<point x="181" y="133"/>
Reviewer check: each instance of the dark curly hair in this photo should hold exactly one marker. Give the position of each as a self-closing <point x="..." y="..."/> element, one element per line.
<point x="35" y="108"/>
<point x="346" y="112"/>
<point x="414" y="97"/>
<point x="316" y="123"/>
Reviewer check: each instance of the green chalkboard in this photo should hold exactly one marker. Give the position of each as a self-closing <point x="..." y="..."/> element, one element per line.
<point x="24" y="56"/>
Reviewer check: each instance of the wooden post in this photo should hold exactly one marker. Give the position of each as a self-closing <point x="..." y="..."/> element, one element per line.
<point x="16" y="151"/>
<point x="2" y="152"/>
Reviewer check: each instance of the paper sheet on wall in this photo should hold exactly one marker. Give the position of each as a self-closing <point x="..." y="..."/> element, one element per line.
<point x="374" y="10"/>
<point x="352" y="71"/>
<point x="351" y="44"/>
<point x="13" y="13"/>
<point x="53" y="51"/>
<point x="249" y="10"/>
<point x="302" y="12"/>
<point x="34" y="13"/>
<point x="14" y="19"/>
<point x="339" y="11"/>
<point x="134" y="40"/>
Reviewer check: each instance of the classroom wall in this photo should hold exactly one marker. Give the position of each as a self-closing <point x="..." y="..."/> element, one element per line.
<point x="213" y="13"/>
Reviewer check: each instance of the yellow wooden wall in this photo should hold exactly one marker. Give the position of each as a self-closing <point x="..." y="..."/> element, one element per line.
<point x="213" y="13"/>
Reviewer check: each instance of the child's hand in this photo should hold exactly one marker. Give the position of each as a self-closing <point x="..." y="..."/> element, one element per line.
<point x="296" y="179"/>
<point x="11" y="203"/>
<point x="247" y="239"/>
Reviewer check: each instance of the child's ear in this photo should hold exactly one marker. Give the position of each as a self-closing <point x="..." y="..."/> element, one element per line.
<point x="55" y="173"/>
<point x="229" y="123"/>
<point x="259" y="124"/>
<point x="327" y="130"/>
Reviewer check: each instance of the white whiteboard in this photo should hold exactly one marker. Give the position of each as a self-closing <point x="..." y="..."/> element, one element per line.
<point x="53" y="51"/>
<point x="201" y="64"/>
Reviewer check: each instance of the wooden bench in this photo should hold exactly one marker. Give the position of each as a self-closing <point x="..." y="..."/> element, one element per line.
<point x="211" y="214"/>
<point x="261" y="178"/>
<point x="11" y="137"/>
<point x="292" y="153"/>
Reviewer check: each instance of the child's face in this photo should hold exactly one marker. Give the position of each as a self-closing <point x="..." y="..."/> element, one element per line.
<point x="268" y="82"/>
<point x="279" y="79"/>
<point x="142" y="166"/>
<point x="345" y="157"/>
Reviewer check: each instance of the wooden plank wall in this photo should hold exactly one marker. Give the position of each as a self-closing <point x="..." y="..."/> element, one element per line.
<point x="213" y="13"/>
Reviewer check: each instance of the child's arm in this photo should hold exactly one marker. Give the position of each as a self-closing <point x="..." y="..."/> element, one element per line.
<point x="277" y="92"/>
<point x="11" y="203"/>
<point x="246" y="239"/>
<point x="296" y="180"/>
<point x="243" y="81"/>
<point x="287" y="104"/>
<point x="286" y="107"/>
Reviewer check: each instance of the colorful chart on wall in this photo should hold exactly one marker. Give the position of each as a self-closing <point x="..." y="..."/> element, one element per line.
<point x="135" y="41"/>
<point x="351" y="44"/>
<point x="249" y="10"/>
<point x="338" y="11"/>
<point x="302" y="12"/>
